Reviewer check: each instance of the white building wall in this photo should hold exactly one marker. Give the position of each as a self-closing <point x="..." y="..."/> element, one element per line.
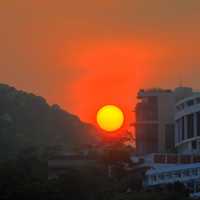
<point x="165" y="175"/>
<point x="183" y="109"/>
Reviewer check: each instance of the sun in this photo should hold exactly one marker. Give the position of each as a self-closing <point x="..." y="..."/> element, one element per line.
<point x="110" y="118"/>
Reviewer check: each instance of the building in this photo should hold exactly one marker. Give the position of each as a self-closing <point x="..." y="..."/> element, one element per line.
<point x="169" y="120"/>
<point x="166" y="159"/>
<point x="155" y="122"/>
<point x="159" y="170"/>
<point x="188" y="174"/>
<point x="187" y="123"/>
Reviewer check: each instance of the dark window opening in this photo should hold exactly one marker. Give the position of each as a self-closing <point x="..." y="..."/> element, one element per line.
<point x="190" y="103"/>
<point x="194" y="145"/>
<point x="190" y="126"/>
<point x="183" y="128"/>
<point x="169" y="136"/>
<point x="198" y="124"/>
<point x="178" y="122"/>
<point x="198" y="100"/>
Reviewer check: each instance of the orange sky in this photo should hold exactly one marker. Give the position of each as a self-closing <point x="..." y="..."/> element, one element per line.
<point x="84" y="54"/>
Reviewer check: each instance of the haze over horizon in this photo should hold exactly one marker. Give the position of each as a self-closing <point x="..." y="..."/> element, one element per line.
<point x="84" y="54"/>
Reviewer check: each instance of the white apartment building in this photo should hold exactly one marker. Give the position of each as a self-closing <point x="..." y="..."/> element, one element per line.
<point x="187" y="125"/>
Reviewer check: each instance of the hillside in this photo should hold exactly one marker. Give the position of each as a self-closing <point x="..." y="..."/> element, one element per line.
<point x="26" y="120"/>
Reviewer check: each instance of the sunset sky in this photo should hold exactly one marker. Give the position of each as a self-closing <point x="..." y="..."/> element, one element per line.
<point x="83" y="54"/>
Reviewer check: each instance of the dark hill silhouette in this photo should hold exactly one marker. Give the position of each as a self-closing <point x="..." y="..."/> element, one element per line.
<point x="26" y="120"/>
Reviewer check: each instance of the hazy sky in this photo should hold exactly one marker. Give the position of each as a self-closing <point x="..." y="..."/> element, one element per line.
<point x="82" y="54"/>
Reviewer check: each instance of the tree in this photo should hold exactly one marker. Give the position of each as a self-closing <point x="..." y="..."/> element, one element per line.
<point x="116" y="156"/>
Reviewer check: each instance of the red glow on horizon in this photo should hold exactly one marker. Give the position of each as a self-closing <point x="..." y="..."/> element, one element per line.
<point x="110" y="75"/>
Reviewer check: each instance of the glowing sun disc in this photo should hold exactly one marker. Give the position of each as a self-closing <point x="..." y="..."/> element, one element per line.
<point x="110" y="118"/>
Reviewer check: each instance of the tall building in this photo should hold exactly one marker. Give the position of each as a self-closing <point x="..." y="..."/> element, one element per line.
<point x="154" y="121"/>
<point x="155" y="113"/>
<point x="187" y="132"/>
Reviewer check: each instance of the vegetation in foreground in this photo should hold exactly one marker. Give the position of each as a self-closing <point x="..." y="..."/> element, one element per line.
<point x="27" y="178"/>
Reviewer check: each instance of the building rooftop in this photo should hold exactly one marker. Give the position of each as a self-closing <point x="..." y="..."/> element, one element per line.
<point x="160" y="90"/>
<point x="153" y="92"/>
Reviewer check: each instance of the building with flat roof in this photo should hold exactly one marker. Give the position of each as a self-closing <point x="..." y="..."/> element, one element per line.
<point x="159" y="170"/>
<point x="155" y="124"/>
<point x="187" y="174"/>
<point x="154" y="121"/>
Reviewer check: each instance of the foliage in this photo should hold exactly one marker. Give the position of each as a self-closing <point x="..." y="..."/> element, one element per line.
<point x="26" y="178"/>
<point x="27" y="120"/>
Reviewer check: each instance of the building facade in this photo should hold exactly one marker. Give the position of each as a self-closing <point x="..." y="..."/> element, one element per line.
<point x="154" y="121"/>
<point x="188" y="174"/>
<point x="187" y="125"/>
<point x="155" y="124"/>
<point x="161" y="169"/>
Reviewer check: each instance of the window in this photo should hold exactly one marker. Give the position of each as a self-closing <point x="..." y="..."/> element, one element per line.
<point x="194" y="172"/>
<point x="186" y="173"/>
<point x="169" y="136"/>
<point x="146" y="179"/>
<point x="161" y="177"/>
<point x="178" y="126"/>
<point x="198" y="187"/>
<point x="183" y="128"/>
<point x="154" y="178"/>
<point x="190" y="103"/>
<point x="198" y="100"/>
<point x="194" y="145"/>
<point x="198" y="124"/>
<point x="177" y="174"/>
<point x="190" y="126"/>
<point x="168" y="175"/>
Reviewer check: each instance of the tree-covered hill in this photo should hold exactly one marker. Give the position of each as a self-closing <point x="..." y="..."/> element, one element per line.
<point x="26" y="120"/>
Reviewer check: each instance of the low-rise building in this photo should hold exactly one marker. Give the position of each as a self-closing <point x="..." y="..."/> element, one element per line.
<point x="160" y="170"/>
<point x="161" y="175"/>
